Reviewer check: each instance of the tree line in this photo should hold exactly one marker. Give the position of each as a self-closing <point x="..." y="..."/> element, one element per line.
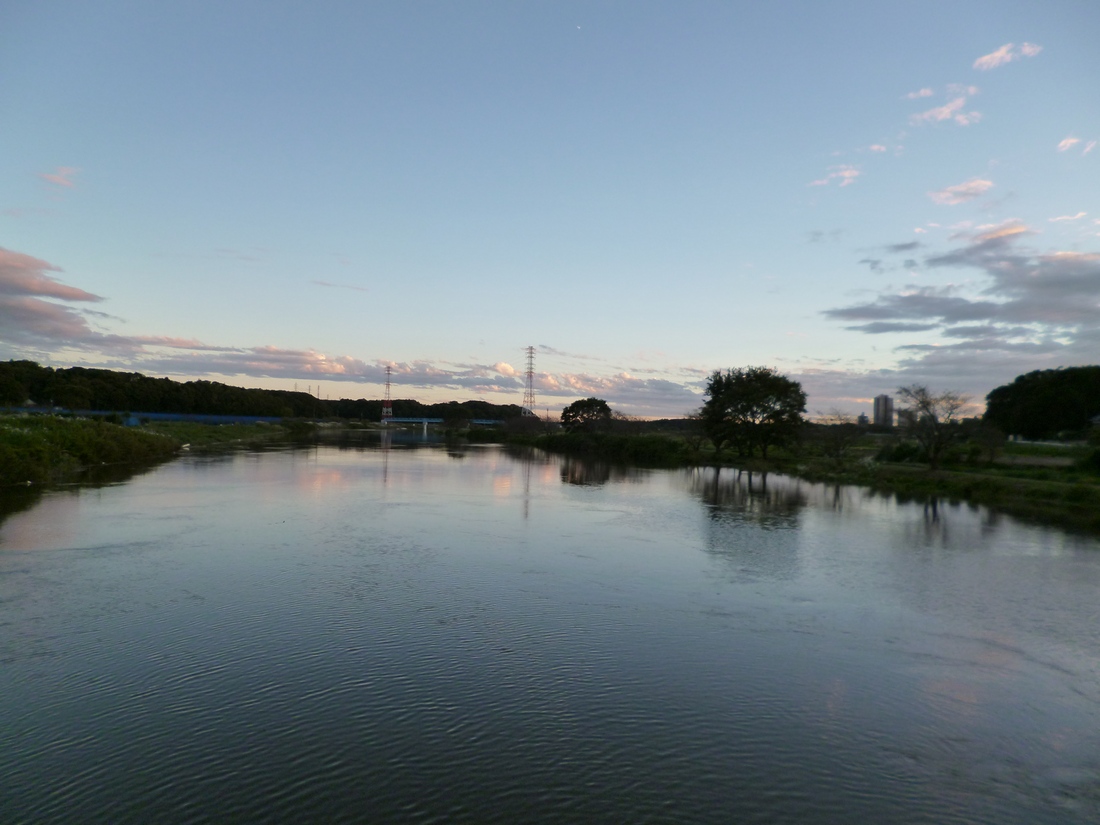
<point x="1046" y="403"/>
<point x="751" y="410"/>
<point x="82" y="388"/>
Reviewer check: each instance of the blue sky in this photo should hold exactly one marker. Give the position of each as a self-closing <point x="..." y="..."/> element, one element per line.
<point x="862" y="195"/>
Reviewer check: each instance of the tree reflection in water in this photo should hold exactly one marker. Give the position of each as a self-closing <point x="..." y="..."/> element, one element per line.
<point x="586" y="472"/>
<point x="751" y="521"/>
<point x="19" y="498"/>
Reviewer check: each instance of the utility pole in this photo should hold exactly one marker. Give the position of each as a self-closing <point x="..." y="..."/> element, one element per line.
<point x="529" y="388"/>
<point x="387" y="402"/>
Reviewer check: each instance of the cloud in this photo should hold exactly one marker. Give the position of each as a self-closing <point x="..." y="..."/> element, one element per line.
<point x="1089" y="147"/>
<point x="962" y="192"/>
<point x="908" y="246"/>
<point x="340" y="286"/>
<point x="1028" y="310"/>
<point x="821" y="236"/>
<point x="1006" y="54"/>
<point x="625" y="392"/>
<point x="1068" y="143"/>
<point x="845" y="173"/>
<point x="919" y="94"/>
<point x="880" y="327"/>
<point x="952" y="110"/>
<point x="38" y="319"/>
<point x="61" y="176"/>
<point x="1076" y="217"/>
<point x="877" y="147"/>
<point x="548" y="350"/>
<point x="23" y="275"/>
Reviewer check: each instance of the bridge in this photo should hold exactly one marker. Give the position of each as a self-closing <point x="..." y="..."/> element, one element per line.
<point x="482" y="422"/>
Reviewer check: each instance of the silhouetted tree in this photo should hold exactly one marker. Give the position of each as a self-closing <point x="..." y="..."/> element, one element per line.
<point x="752" y="407"/>
<point x="837" y="433"/>
<point x="932" y="419"/>
<point x="1045" y="403"/>
<point x="588" y="414"/>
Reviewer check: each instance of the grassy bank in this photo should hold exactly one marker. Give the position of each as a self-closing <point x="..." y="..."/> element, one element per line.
<point x="1068" y="499"/>
<point x="1065" y="496"/>
<point x="43" y="449"/>
<point x="46" y="449"/>
<point x="636" y="450"/>
<point x="213" y="435"/>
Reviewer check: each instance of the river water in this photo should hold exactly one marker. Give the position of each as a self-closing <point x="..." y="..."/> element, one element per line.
<point x="422" y="635"/>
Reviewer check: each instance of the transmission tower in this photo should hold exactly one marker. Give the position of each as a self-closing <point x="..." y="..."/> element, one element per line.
<point x="529" y="387"/>
<point x="387" y="403"/>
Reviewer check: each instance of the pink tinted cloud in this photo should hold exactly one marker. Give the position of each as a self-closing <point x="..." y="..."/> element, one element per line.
<point x="1006" y="54"/>
<point x="919" y="94"/>
<point x="61" y="176"/>
<point x="23" y="275"/>
<point x="1089" y="147"/>
<point x="845" y="173"/>
<point x="961" y="192"/>
<point x="952" y="110"/>
<point x="1068" y="143"/>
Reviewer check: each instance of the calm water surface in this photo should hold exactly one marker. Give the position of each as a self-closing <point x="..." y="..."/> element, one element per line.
<point x="419" y="635"/>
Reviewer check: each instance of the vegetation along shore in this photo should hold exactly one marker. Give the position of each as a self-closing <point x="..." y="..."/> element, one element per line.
<point x="753" y="418"/>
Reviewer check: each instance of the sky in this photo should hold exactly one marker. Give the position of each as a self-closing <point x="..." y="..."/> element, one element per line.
<point x="861" y="195"/>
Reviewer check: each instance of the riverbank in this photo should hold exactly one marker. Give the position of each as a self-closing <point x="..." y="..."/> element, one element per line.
<point x="47" y="449"/>
<point x="1056" y="492"/>
<point x="44" y="449"/>
<point x="1066" y="499"/>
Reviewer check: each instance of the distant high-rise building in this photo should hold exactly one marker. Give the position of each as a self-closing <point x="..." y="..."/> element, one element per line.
<point x="884" y="411"/>
<point x="862" y="420"/>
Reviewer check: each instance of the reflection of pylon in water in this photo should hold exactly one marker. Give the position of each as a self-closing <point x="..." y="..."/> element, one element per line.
<point x="387" y="403"/>
<point x="529" y="387"/>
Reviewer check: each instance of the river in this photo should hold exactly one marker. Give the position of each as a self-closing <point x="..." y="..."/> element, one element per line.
<point x="394" y="633"/>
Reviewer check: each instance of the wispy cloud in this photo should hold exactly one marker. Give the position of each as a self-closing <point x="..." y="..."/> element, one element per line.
<point x="26" y="276"/>
<point x="1006" y="54"/>
<point x="548" y="350"/>
<point x="919" y="94"/>
<point x="953" y="110"/>
<point x="61" y="176"/>
<point x="907" y="246"/>
<point x="340" y="286"/>
<point x="961" y="192"/>
<point x="845" y="173"/>
<point x="1089" y="147"/>
<point x="1068" y="143"/>
<point x="821" y="236"/>
<point x="1076" y="217"/>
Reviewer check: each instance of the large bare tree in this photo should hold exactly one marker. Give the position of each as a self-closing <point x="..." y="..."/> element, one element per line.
<point x="933" y="419"/>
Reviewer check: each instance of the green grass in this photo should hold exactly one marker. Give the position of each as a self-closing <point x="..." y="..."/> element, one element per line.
<point x="206" y="435"/>
<point x="43" y="449"/>
<point x="636" y="450"/>
<point x="1016" y="448"/>
<point x="1067" y="497"/>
